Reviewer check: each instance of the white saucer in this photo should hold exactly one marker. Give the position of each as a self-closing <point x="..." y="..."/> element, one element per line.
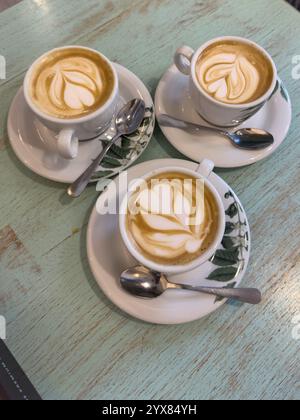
<point x="108" y="257"/>
<point x="27" y="136"/>
<point x="173" y="98"/>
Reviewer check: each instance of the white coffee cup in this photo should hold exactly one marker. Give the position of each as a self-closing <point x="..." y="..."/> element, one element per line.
<point x="203" y="172"/>
<point x="213" y="111"/>
<point x="70" y="131"/>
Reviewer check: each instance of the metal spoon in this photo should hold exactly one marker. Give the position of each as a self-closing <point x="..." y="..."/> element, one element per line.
<point x="127" y="122"/>
<point x="243" y="138"/>
<point x="140" y="281"/>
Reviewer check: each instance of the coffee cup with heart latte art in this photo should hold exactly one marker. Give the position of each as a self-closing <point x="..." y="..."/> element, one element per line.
<point x="74" y="92"/>
<point x="231" y="78"/>
<point x="173" y="220"/>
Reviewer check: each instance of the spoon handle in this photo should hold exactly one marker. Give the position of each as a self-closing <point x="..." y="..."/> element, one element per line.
<point x="252" y="296"/>
<point x="167" y="120"/>
<point x="77" y="188"/>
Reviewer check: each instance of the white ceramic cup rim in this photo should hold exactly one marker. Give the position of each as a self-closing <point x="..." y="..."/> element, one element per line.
<point x="67" y="121"/>
<point x="164" y="268"/>
<point x="247" y="105"/>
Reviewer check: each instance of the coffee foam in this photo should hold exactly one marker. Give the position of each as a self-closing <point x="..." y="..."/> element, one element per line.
<point x="234" y="72"/>
<point x="172" y="220"/>
<point x="71" y="83"/>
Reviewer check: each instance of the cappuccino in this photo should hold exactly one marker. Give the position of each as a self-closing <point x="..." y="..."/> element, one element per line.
<point x="172" y="219"/>
<point x="234" y="72"/>
<point x="71" y="83"/>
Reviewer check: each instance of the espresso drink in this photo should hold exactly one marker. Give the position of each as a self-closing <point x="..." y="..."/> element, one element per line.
<point x="173" y="219"/>
<point x="234" y="72"/>
<point x="71" y="83"/>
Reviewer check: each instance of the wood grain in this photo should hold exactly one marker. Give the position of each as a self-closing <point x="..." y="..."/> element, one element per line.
<point x="71" y="341"/>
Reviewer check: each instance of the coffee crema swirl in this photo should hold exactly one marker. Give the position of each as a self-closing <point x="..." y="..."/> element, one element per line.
<point x="233" y="72"/>
<point x="173" y="220"/>
<point x="71" y="83"/>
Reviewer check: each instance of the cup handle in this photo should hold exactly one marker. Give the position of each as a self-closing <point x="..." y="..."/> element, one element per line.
<point x="183" y="58"/>
<point x="205" y="168"/>
<point x="67" y="144"/>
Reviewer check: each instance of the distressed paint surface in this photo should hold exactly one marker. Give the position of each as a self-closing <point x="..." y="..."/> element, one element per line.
<point x="71" y="341"/>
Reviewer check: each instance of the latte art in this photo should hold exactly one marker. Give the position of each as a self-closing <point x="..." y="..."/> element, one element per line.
<point x="230" y="78"/>
<point x="233" y="72"/>
<point x="172" y="220"/>
<point x="71" y="83"/>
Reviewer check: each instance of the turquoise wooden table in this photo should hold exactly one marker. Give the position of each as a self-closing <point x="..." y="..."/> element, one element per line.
<point x="71" y="341"/>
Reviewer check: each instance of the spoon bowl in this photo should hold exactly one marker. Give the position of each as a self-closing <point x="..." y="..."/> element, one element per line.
<point x="140" y="281"/>
<point x="130" y="117"/>
<point x="250" y="138"/>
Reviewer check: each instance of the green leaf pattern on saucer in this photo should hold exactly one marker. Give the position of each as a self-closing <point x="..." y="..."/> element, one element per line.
<point x="126" y="151"/>
<point x="230" y="259"/>
<point x="283" y="91"/>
